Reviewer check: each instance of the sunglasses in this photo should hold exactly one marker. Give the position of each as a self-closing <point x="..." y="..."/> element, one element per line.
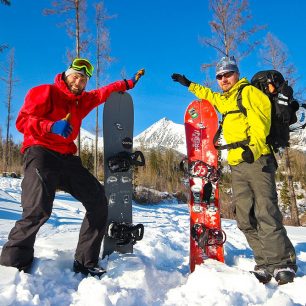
<point x="226" y="75"/>
<point x="81" y="63"/>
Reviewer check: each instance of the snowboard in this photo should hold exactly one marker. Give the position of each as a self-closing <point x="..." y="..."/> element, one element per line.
<point x="201" y="166"/>
<point x="118" y="125"/>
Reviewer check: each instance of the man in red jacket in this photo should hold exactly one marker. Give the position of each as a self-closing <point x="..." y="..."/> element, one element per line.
<point x="50" y="121"/>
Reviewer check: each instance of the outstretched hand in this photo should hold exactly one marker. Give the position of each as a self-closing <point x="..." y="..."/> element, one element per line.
<point x="138" y="75"/>
<point x="181" y="79"/>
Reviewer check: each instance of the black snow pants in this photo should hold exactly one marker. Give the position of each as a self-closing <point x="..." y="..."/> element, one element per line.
<point x="45" y="171"/>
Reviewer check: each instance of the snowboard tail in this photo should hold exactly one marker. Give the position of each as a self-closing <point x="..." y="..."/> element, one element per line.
<point x="201" y="167"/>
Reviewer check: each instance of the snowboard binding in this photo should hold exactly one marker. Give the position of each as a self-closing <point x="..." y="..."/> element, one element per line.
<point x="207" y="236"/>
<point x="123" y="161"/>
<point x="125" y="233"/>
<point x="200" y="169"/>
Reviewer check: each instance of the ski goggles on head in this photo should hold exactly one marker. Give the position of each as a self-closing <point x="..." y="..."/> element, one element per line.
<point x="82" y="64"/>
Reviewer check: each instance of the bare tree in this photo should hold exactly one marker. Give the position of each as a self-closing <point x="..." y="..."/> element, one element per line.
<point x="75" y="10"/>
<point x="10" y="82"/>
<point x="123" y="73"/>
<point x="103" y="60"/>
<point x="293" y="206"/>
<point x="75" y="26"/>
<point x="229" y="36"/>
<point x="2" y="47"/>
<point x="6" y="2"/>
<point x="275" y="55"/>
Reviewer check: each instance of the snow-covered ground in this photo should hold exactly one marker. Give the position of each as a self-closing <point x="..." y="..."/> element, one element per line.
<point x="156" y="274"/>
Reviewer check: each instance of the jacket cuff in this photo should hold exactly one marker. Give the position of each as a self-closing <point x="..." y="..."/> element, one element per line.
<point x="130" y="83"/>
<point x="191" y="86"/>
<point x="47" y="127"/>
<point x="255" y="152"/>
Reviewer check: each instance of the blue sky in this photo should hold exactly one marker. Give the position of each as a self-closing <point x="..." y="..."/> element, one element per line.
<point x="160" y="36"/>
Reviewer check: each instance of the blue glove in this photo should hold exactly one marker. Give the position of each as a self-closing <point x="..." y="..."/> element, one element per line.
<point x="138" y="75"/>
<point x="62" y="128"/>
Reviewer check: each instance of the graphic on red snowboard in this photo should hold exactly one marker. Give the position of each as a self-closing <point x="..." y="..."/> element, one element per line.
<point x="201" y="166"/>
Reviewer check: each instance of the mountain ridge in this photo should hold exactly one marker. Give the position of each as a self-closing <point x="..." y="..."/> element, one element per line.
<point x="166" y="134"/>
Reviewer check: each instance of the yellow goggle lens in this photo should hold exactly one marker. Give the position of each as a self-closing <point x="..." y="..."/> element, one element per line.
<point x="81" y="63"/>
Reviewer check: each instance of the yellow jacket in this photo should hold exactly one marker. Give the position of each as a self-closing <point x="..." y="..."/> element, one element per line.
<point x="236" y="126"/>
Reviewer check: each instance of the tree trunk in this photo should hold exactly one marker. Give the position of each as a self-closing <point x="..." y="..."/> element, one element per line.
<point x="9" y="82"/>
<point x="293" y="206"/>
<point x="96" y="144"/>
<point x="77" y="36"/>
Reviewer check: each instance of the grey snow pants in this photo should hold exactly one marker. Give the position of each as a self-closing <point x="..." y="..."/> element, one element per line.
<point x="45" y="171"/>
<point x="258" y="215"/>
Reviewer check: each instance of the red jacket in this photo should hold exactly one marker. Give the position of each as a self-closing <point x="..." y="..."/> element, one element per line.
<point x="46" y="104"/>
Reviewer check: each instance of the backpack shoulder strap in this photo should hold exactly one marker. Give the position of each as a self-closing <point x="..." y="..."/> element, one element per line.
<point x="242" y="109"/>
<point x="239" y="99"/>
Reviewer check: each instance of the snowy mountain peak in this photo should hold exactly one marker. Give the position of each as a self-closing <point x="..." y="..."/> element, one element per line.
<point x="163" y="134"/>
<point x="165" y="119"/>
<point x="88" y="140"/>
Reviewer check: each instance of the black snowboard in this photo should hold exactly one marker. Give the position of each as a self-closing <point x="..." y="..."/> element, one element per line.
<point x="118" y="125"/>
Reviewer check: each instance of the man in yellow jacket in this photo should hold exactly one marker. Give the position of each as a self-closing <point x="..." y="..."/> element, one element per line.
<point x="253" y="169"/>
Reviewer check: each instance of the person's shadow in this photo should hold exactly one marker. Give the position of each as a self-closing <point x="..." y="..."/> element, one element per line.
<point x="301" y="263"/>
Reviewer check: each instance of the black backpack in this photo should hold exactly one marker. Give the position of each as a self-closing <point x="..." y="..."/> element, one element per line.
<point x="283" y="110"/>
<point x="284" y="106"/>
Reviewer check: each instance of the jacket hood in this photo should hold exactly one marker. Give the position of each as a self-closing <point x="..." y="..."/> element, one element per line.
<point x="61" y="84"/>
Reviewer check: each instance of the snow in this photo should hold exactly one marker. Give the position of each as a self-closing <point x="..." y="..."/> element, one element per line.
<point x="157" y="273"/>
<point x="298" y="139"/>
<point x="88" y="140"/>
<point x="163" y="133"/>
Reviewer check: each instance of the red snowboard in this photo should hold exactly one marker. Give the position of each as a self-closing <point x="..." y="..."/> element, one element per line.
<point x="206" y="236"/>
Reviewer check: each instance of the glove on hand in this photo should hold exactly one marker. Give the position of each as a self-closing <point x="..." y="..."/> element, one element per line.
<point x="181" y="79"/>
<point x="62" y="127"/>
<point x="138" y="75"/>
<point x="247" y="155"/>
